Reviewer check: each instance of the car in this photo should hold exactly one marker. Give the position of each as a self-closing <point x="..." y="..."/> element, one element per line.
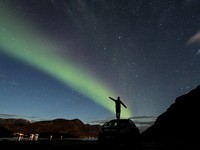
<point x="119" y="131"/>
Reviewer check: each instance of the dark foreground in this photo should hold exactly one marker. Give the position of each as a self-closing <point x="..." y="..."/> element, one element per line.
<point x="55" y="145"/>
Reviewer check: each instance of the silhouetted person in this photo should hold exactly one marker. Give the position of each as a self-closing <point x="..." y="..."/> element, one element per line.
<point x="118" y="103"/>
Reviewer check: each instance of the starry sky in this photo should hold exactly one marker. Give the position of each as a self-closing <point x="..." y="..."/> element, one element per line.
<point x="65" y="58"/>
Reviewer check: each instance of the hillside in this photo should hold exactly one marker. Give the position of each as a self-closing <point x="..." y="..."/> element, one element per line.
<point x="57" y="127"/>
<point x="179" y="122"/>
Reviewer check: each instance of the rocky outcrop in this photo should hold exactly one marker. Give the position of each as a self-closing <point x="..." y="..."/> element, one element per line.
<point x="180" y="122"/>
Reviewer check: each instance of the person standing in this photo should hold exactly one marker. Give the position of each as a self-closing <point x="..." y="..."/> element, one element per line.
<point x="118" y="104"/>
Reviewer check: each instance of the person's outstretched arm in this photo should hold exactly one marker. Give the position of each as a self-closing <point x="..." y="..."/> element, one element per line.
<point x="123" y="104"/>
<point x="112" y="99"/>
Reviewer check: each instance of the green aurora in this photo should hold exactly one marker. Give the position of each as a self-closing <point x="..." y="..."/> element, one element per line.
<point x="24" y="42"/>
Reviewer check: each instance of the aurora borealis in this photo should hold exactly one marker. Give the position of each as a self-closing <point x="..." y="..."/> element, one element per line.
<point x="18" y="40"/>
<point x="63" y="59"/>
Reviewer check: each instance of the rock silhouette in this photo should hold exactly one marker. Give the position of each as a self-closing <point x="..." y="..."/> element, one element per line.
<point x="180" y="122"/>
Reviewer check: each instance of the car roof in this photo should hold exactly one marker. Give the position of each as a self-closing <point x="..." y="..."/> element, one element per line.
<point x="120" y="121"/>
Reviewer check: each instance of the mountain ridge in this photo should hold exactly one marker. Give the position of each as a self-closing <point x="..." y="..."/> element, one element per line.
<point x="56" y="127"/>
<point x="179" y="122"/>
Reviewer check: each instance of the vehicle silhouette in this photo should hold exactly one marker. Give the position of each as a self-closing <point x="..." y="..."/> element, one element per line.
<point x="119" y="131"/>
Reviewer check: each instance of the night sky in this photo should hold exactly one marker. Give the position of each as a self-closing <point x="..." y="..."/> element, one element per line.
<point x="65" y="58"/>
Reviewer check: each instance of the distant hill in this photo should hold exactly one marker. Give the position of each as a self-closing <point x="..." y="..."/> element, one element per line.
<point x="12" y="125"/>
<point x="14" y="121"/>
<point x="180" y="122"/>
<point x="57" y="127"/>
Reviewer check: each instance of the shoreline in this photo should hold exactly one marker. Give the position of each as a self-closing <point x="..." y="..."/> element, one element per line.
<point x="94" y="144"/>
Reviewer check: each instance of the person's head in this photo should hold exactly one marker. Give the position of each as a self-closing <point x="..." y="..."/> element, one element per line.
<point x="118" y="98"/>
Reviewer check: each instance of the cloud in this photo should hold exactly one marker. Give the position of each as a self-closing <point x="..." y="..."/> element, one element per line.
<point x="194" y="39"/>
<point x="142" y="122"/>
<point x="8" y="116"/>
<point x="100" y="122"/>
<point x="143" y="117"/>
<point x="30" y="118"/>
